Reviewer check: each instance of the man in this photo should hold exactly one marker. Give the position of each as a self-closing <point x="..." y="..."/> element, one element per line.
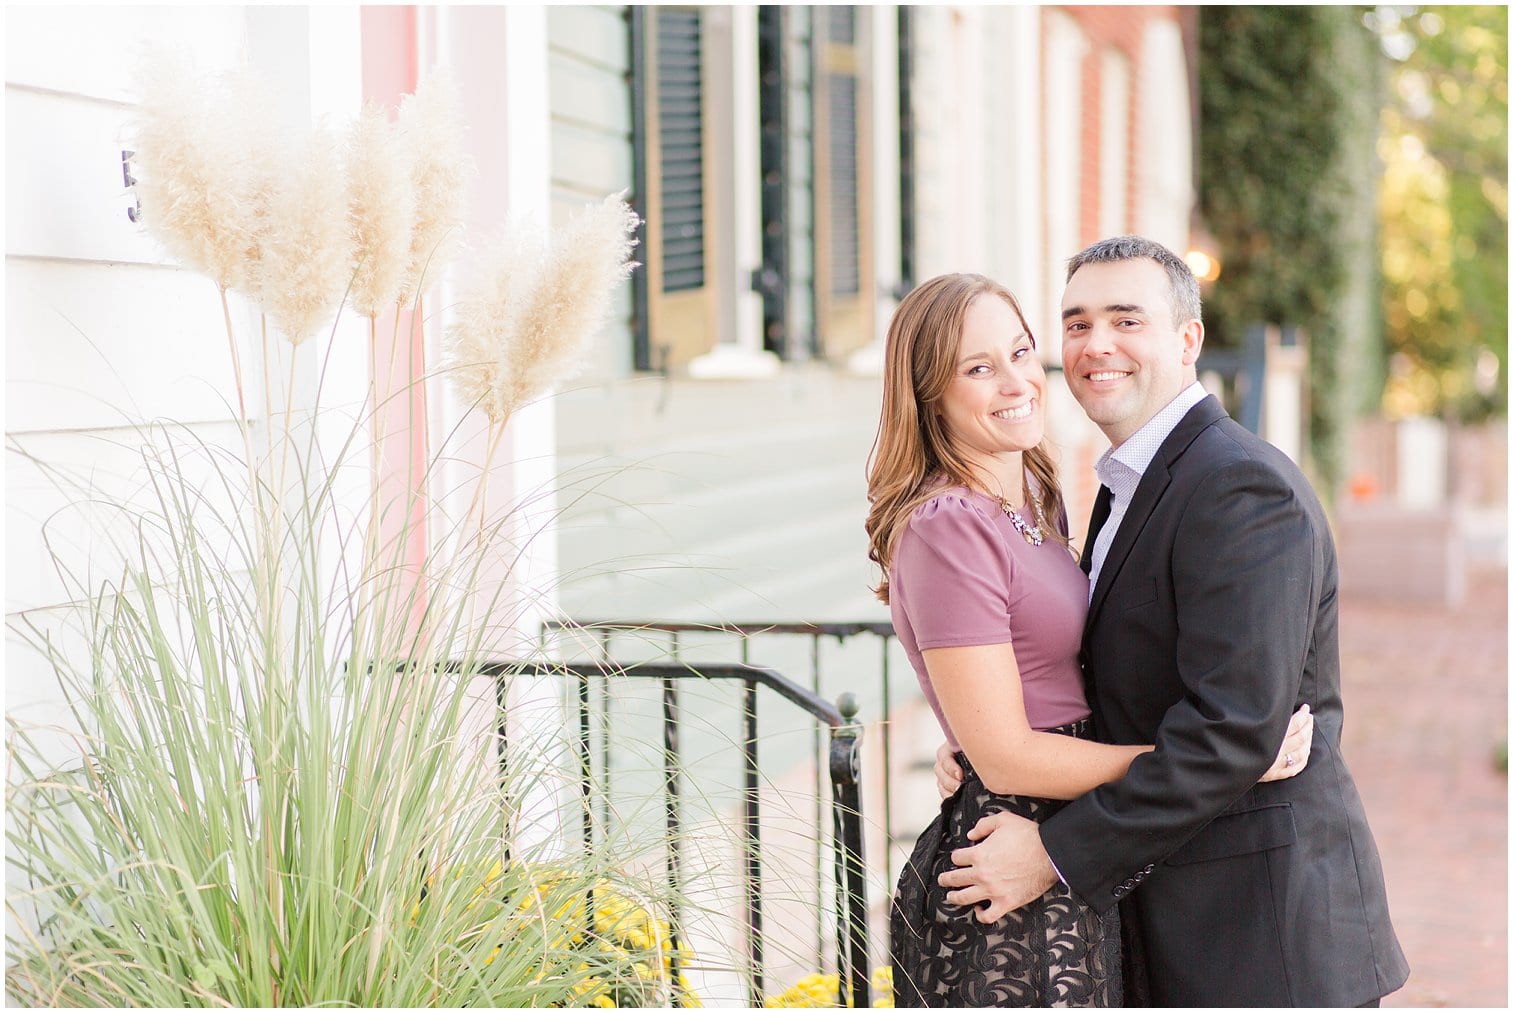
<point x="1213" y="615"/>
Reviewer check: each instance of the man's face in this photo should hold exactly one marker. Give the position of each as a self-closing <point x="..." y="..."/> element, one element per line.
<point x="1124" y="358"/>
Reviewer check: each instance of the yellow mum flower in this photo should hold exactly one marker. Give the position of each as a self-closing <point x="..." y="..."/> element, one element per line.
<point x="818" y="991"/>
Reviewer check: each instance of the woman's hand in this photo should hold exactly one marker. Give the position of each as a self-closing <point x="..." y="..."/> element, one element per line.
<point x="948" y="772"/>
<point x="1293" y="756"/>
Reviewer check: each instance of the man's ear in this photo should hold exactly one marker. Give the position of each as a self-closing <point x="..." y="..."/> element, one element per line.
<point x="1192" y="341"/>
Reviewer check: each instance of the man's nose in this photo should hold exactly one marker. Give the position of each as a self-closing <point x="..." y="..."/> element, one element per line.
<point x="1098" y="340"/>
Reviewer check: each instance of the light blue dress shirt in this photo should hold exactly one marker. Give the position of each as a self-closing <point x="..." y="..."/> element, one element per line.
<point x="1121" y="468"/>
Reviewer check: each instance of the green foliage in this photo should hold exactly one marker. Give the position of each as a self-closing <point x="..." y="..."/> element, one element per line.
<point x="280" y="785"/>
<point x="1287" y="116"/>
<point x="1444" y="209"/>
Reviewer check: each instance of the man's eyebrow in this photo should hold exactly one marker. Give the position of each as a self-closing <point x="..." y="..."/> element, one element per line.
<point x="1118" y="307"/>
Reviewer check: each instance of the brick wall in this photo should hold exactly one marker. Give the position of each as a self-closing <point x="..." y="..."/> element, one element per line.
<point x="1106" y="28"/>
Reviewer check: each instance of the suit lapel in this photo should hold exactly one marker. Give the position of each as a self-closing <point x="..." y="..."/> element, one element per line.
<point x="1148" y="494"/>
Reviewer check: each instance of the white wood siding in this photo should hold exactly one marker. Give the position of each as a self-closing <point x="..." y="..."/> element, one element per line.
<point x="103" y="331"/>
<point x="589" y="69"/>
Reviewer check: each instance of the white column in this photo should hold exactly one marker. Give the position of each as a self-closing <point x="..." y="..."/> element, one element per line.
<point x="1422" y="451"/>
<point x="1282" y="394"/>
<point x="887" y="202"/>
<point x="337" y="362"/>
<point x="1113" y="144"/>
<point x="1065" y="47"/>
<point x="1017" y="104"/>
<point x="1163" y="186"/>
<point x="732" y="137"/>
<point x="499" y="56"/>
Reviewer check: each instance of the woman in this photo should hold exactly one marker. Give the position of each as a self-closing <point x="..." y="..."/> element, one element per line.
<point x="968" y="524"/>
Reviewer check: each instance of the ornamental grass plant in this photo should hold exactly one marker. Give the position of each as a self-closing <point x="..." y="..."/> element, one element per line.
<point x="280" y="782"/>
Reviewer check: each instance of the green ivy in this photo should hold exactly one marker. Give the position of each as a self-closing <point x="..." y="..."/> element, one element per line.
<point x="1288" y="116"/>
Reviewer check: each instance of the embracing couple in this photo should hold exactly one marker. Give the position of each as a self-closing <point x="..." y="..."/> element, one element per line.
<point x="1145" y="801"/>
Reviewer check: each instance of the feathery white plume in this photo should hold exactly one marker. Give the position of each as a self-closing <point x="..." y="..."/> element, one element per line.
<point x="202" y="168"/>
<point x="430" y="124"/>
<point x="307" y="251"/>
<point x="524" y="321"/>
<point x="382" y="208"/>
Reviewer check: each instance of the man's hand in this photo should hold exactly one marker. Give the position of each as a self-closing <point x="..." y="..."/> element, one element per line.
<point x="1008" y="868"/>
<point x="948" y="772"/>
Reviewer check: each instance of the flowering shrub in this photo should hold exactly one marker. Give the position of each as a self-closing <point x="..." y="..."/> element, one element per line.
<point x="623" y="959"/>
<point x="819" y="991"/>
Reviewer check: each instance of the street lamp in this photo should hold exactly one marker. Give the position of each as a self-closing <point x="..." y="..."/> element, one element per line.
<point x="1202" y="254"/>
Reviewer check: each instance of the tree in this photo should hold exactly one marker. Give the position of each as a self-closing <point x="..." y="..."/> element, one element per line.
<point x="1444" y="209"/>
<point x="1289" y="101"/>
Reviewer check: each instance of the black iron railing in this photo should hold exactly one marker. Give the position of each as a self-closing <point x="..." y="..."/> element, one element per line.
<point x="613" y="635"/>
<point x="844" y="768"/>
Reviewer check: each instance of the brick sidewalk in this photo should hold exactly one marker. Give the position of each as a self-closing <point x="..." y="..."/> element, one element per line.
<point x="1426" y="697"/>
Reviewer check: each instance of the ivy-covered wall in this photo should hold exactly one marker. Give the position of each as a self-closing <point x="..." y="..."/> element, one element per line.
<point x="1288" y="104"/>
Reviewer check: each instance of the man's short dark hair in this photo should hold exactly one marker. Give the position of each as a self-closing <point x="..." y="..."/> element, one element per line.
<point x="1185" y="301"/>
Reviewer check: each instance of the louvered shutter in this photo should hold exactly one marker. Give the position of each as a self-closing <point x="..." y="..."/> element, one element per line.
<point x="680" y="136"/>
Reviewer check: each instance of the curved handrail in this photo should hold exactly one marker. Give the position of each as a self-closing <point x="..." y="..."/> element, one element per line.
<point x="811" y="702"/>
<point x="745" y="629"/>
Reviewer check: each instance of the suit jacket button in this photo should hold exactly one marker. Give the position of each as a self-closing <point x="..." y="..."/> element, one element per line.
<point x="1120" y="891"/>
<point x="1149" y="869"/>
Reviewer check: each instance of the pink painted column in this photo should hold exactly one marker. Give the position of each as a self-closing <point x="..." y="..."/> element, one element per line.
<point x="390" y="69"/>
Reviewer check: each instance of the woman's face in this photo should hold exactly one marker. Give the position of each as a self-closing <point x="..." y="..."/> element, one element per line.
<point x="995" y="401"/>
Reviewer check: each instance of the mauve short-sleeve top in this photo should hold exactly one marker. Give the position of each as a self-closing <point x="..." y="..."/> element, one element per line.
<point x="962" y="577"/>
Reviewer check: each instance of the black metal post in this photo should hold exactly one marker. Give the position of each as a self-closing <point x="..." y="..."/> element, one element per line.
<point x="674" y="820"/>
<point x="906" y="198"/>
<point x="845" y="782"/>
<point x="819" y="817"/>
<point x="753" y="844"/>
<point x="1254" y="371"/>
<point x="585" y="764"/>
<point x="604" y="742"/>
<point x="640" y="24"/>
<point x="502" y="749"/>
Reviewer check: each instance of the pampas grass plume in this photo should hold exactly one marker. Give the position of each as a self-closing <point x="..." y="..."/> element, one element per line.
<point x="430" y="123"/>
<point x="590" y="257"/>
<point x="382" y="209"/>
<point x="524" y="320"/>
<point x="307" y="256"/>
<point x="201" y="166"/>
<point x="489" y="301"/>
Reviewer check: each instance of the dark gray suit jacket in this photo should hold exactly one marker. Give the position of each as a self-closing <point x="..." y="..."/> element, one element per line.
<point x="1214" y="617"/>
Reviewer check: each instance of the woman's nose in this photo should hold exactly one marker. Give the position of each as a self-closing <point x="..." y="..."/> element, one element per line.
<point x="1012" y="380"/>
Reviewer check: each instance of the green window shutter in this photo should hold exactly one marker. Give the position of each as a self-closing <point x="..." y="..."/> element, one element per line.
<point x="681" y="141"/>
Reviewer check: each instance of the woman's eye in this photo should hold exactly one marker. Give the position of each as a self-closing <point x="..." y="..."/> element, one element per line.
<point x="977" y="370"/>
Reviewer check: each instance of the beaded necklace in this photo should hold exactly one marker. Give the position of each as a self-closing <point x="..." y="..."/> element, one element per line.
<point x="1031" y="532"/>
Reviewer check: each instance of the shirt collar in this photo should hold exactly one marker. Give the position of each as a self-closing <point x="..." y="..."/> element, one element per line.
<point x="1135" y="454"/>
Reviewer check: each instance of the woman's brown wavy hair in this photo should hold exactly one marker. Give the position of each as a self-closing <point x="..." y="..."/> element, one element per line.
<point x="912" y="451"/>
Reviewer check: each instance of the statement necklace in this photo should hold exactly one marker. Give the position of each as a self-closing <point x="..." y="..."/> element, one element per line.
<point x="1031" y="532"/>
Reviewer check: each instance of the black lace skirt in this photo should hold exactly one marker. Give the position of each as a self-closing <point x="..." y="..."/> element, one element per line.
<point x="1054" y="951"/>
